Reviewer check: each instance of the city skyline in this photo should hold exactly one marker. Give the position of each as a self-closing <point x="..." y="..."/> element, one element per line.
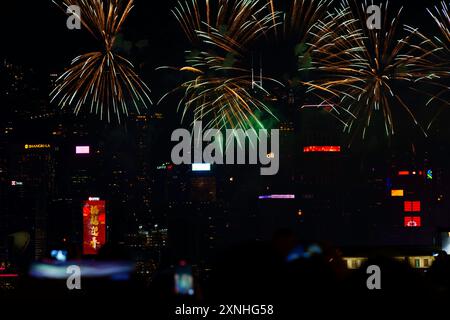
<point x="358" y="125"/>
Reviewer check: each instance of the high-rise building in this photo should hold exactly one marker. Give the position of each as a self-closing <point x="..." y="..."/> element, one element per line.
<point x="4" y="185"/>
<point x="32" y="174"/>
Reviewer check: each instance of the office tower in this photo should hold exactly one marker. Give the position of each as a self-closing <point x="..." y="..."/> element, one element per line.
<point x="33" y="166"/>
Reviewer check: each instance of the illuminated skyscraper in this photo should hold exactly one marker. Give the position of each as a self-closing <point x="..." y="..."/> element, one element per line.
<point x="34" y="168"/>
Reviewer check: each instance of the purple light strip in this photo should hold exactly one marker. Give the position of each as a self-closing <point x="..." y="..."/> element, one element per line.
<point x="278" y="196"/>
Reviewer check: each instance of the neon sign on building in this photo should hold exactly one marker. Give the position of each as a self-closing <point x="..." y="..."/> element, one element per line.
<point x="94" y="226"/>
<point x="413" y="222"/>
<point x="412" y="206"/>
<point x="309" y="149"/>
<point x="37" y="146"/>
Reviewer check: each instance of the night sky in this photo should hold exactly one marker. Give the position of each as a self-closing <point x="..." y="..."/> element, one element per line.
<point x="35" y="33"/>
<point x="35" y="36"/>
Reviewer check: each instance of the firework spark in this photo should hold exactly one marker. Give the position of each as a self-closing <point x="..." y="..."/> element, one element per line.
<point x="294" y="32"/>
<point x="369" y="69"/>
<point x="228" y="24"/>
<point x="226" y="96"/>
<point x="103" y="81"/>
<point x="298" y="17"/>
<point x="441" y="16"/>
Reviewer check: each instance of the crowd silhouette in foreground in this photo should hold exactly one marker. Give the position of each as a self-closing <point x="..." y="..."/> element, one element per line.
<point x="283" y="272"/>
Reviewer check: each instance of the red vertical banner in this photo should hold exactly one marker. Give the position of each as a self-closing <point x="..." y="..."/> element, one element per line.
<point x="94" y="226"/>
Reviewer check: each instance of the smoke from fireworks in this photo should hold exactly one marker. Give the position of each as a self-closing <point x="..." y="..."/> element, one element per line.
<point x="104" y="82"/>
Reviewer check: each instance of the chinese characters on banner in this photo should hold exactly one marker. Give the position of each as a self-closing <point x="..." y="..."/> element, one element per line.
<point x="94" y="225"/>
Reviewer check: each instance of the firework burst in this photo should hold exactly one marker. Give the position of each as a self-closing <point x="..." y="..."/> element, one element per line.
<point x="292" y="44"/>
<point x="369" y="69"/>
<point x="103" y="82"/>
<point x="298" y="17"/>
<point x="225" y="96"/>
<point x="441" y="16"/>
<point x="228" y="24"/>
<point x="222" y="88"/>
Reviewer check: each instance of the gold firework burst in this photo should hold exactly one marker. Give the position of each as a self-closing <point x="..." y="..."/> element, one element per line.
<point x="222" y="89"/>
<point x="369" y="69"/>
<point x="103" y="82"/>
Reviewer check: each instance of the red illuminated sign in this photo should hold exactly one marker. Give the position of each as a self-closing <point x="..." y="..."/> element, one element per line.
<point x="407" y="173"/>
<point x="412" y="206"/>
<point x="413" y="222"/>
<point x="94" y="226"/>
<point x="322" y="149"/>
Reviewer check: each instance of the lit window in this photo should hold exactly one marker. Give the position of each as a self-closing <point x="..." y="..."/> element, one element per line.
<point x="417" y="263"/>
